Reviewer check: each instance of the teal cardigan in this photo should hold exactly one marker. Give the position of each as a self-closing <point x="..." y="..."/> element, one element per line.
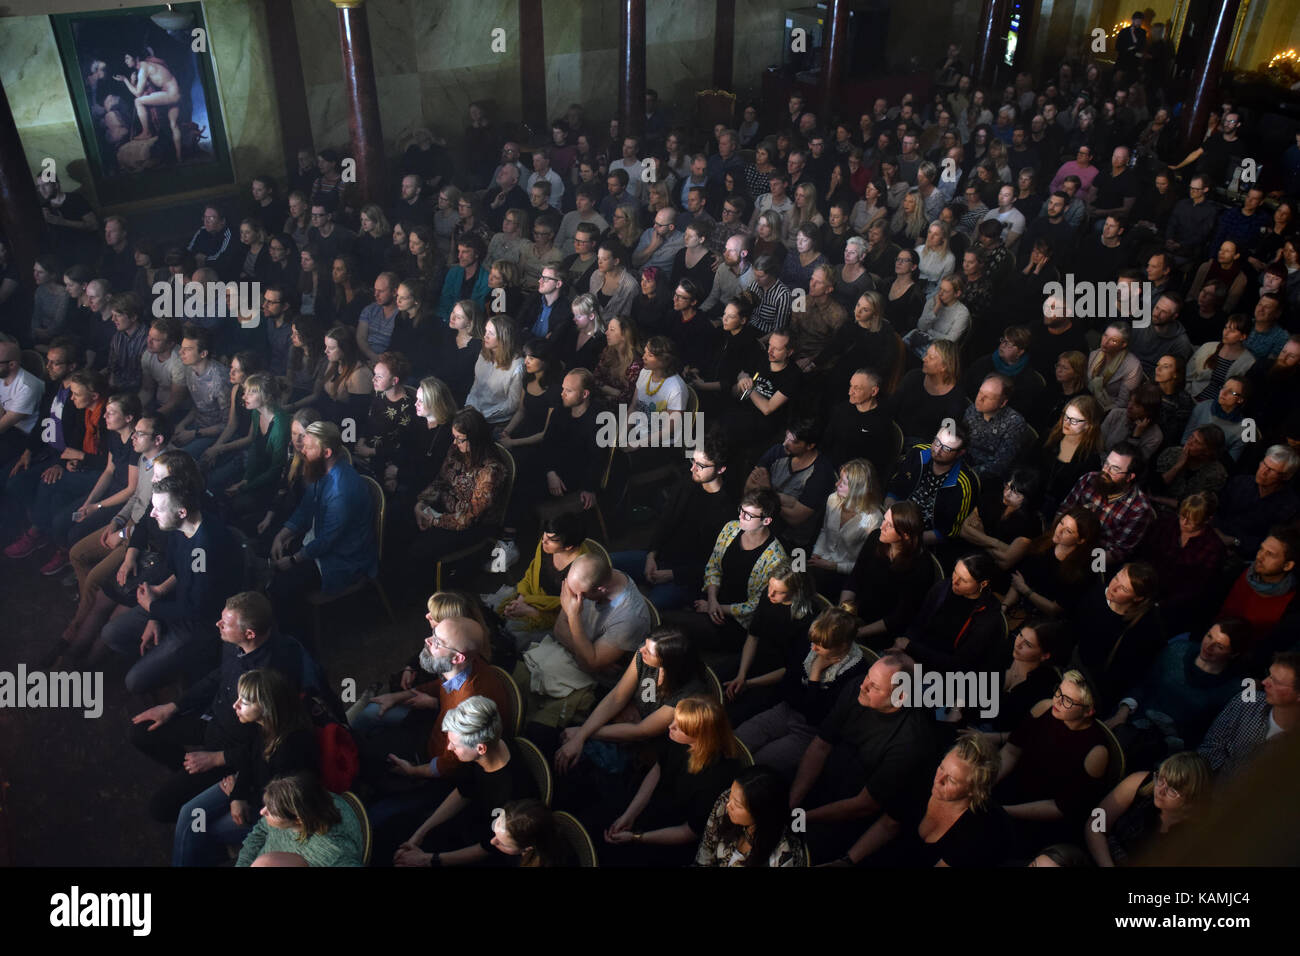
<point x="268" y="453"/>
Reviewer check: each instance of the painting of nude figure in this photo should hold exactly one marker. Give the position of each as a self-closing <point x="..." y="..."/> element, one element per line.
<point x="145" y="94"/>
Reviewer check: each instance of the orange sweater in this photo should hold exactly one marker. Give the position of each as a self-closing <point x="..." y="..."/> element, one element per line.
<point x="481" y="681"/>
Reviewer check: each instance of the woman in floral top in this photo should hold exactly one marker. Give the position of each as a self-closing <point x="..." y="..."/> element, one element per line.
<point x="749" y="825"/>
<point x="465" y="501"/>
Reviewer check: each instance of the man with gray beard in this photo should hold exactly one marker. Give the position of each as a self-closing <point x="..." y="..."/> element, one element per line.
<point x="404" y="752"/>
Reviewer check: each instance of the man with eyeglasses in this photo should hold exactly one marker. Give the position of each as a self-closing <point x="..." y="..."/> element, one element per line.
<point x="1113" y="495"/>
<point x="936" y="479"/>
<point x="660" y="243"/>
<point x="504" y="195"/>
<point x="214" y="246"/>
<point x="1080" y="166"/>
<point x="41" y="459"/>
<point x="334" y="240"/>
<point x="686" y="531"/>
<point x="585" y="198"/>
<point x="20" y="400"/>
<point x="777" y="199"/>
<point x="400" y="734"/>
<point x="548" y="312"/>
<point x="1192" y="223"/>
<point x="1245" y="727"/>
<point x="577" y="268"/>
<point x="1214" y="157"/>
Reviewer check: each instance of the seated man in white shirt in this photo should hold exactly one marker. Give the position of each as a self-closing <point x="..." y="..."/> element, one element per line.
<point x="603" y="619"/>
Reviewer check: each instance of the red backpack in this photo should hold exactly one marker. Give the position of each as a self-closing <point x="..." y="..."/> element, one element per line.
<point x="339" y="759"/>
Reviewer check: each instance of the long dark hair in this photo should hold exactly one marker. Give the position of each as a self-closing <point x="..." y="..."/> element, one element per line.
<point x="532" y="826"/>
<point x="1075" y="567"/>
<point x="767" y="798"/>
<point x="907" y="522"/>
<point x="474" y="426"/>
<point x="551" y="371"/>
<point x="679" y="660"/>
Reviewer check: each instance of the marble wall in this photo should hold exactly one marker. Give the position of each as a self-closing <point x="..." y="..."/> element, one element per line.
<point x="38" y="94"/>
<point x="434" y="57"/>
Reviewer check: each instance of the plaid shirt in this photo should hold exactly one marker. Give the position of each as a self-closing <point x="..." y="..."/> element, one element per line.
<point x="1124" y="520"/>
<point x="1236" y="735"/>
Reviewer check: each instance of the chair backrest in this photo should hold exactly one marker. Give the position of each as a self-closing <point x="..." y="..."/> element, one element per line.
<point x="655" y="619"/>
<point x="367" y="834"/>
<point x="380" y="506"/>
<point x="938" y="568"/>
<point x="576" y="835"/>
<point x="537" y="766"/>
<point x="1116" y="766"/>
<point x="509" y="461"/>
<point x="1036" y="377"/>
<point x="609" y="466"/>
<point x="595" y="547"/>
<point x="821" y="602"/>
<point x="692" y="401"/>
<point x="868" y="654"/>
<point x="746" y="758"/>
<point x="514" y="721"/>
<point x="716" y="684"/>
<point x="32" y="361"/>
<point x="897" y="450"/>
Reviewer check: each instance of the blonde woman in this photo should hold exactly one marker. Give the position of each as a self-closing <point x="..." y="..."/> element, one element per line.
<point x="804" y="211"/>
<point x="936" y="258"/>
<point x="909" y="222"/>
<point x="620" y="364"/>
<point x="508" y="244"/>
<point x="498" y="372"/>
<point x="853" y="511"/>
<point x="626" y="225"/>
<point x="1146" y="808"/>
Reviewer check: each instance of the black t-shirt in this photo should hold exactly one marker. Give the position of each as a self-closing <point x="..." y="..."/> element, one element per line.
<point x="918" y="413"/>
<point x="123" y="457"/>
<point x="854" y="434"/>
<point x="684" y="797"/>
<point x="777" y="630"/>
<point x="788" y="381"/>
<point x="487" y="791"/>
<point x="894" y="750"/>
<point x="737" y="565"/>
<point x="691" y="524"/>
<point x="1113" y="190"/>
<point x="978" y="838"/>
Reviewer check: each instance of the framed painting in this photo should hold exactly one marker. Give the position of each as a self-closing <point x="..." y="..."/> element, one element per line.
<point x="145" y="97"/>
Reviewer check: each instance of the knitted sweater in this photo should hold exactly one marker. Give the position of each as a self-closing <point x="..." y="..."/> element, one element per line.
<point x="341" y="846"/>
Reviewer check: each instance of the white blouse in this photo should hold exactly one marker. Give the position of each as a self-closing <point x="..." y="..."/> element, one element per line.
<point x="841" y="541"/>
<point x="497" y="392"/>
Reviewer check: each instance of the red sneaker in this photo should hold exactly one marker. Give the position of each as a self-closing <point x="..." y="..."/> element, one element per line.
<point x="57" y="563"/>
<point x="31" y="540"/>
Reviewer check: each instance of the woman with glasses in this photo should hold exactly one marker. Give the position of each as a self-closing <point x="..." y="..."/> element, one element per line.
<point x="1147" y="809"/>
<point x="1120" y="631"/>
<point x="1054" y="764"/>
<point x="510" y="241"/>
<point x="542" y="252"/>
<point x="905" y="296"/>
<point x="1069" y="381"/>
<point x="1228" y="411"/>
<point x="530" y="606"/>
<point x="1056" y="570"/>
<point x="957" y="823"/>
<point x="1006" y="527"/>
<point x="1071" y="450"/>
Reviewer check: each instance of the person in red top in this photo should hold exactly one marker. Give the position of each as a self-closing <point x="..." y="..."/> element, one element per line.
<point x="1264" y="591"/>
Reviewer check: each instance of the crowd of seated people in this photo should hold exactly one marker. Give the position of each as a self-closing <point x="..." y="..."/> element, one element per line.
<point x="916" y="458"/>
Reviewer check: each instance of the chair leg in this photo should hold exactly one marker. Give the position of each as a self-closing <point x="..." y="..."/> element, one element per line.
<point x="437" y="586"/>
<point x="383" y="597"/>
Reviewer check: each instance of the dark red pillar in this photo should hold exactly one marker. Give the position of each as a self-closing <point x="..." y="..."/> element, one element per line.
<point x="290" y="91"/>
<point x="987" y="44"/>
<point x="20" y="207"/>
<point x="532" y="70"/>
<point x="631" y="73"/>
<point x="363" y="98"/>
<point x="1203" y="92"/>
<point x="724" y="43"/>
<point x="835" y="35"/>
